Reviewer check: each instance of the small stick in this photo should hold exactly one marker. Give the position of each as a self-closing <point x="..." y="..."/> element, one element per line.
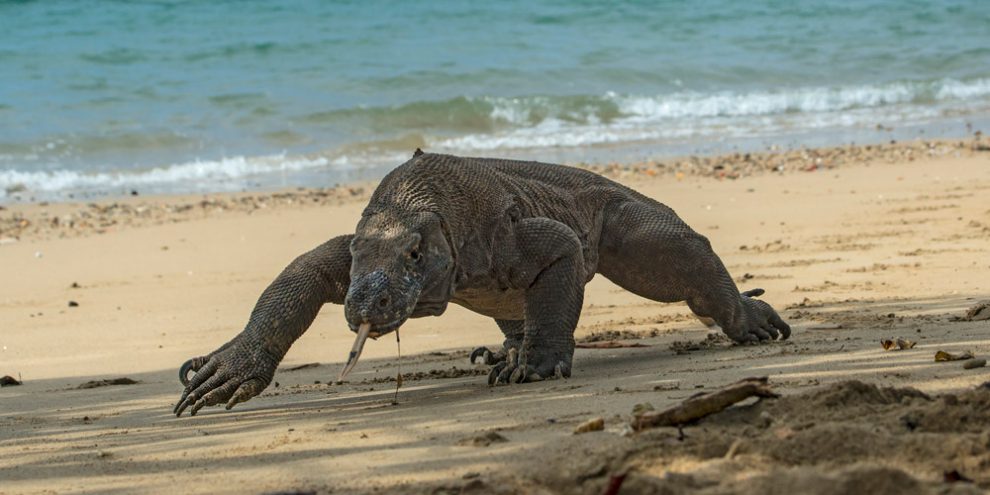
<point x="704" y="404"/>
<point x="398" y="362"/>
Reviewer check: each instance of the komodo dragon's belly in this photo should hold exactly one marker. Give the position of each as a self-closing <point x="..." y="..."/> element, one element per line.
<point x="509" y="304"/>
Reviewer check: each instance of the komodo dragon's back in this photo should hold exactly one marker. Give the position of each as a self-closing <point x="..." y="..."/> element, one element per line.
<point x="477" y="188"/>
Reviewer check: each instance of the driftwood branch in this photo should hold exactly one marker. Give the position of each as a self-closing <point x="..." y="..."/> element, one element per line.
<point x="705" y="404"/>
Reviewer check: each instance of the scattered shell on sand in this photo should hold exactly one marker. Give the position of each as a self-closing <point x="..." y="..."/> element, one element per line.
<point x="594" y="424"/>
<point x="897" y="345"/>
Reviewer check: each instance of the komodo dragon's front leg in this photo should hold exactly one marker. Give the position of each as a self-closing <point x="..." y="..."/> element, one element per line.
<point x="544" y="259"/>
<point x="243" y="367"/>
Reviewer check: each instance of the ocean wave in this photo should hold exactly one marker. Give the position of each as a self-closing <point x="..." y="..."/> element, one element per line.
<point x="952" y="89"/>
<point x="205" y="171"/>
<point x="492" y="114"/>
<point x="554" y="133"/>
<point x="687" y="105"/>
<point x="469" y="114"/>
<point x="724" y="114"/>
<point x="729" y="104"/>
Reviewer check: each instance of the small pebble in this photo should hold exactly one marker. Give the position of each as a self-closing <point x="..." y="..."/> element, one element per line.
<point x="974" y="363"/>
<point x="73" y="304"/>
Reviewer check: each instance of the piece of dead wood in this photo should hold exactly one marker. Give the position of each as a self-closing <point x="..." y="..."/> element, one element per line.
<point x="972" y="364"/>
<point x="302" y="367"/>
<point x="705" y="404"/>
<point x="106" y="383"/>
<point x="941" y="356"/>
<point x="609" y="344"/>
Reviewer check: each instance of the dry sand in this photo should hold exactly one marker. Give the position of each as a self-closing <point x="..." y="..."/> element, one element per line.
<point x="878" y="245"/>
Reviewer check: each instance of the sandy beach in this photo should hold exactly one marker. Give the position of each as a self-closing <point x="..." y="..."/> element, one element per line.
<point x="853" y="245"/>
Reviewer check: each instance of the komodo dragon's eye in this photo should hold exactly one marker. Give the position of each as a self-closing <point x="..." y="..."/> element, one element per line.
<point x="414" y="255"/>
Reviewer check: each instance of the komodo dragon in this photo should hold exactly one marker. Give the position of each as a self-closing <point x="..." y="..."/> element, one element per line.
<point x="515" y="241"/>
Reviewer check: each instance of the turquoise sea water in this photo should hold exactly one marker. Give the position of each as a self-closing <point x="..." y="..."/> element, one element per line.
<point x="100" y="97"/>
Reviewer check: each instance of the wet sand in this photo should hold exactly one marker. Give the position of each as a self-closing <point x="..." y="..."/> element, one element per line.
<point x="853" y="245"/>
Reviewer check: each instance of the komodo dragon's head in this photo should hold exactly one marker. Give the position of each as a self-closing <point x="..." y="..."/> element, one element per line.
<point x="401" y="267"/>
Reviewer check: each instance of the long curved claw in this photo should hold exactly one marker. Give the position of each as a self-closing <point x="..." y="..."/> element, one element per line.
<point x="494" y="373"/>
<point x="193" y="365"/>
<point x="483" y="353"/>
<point x="184" y="372"/>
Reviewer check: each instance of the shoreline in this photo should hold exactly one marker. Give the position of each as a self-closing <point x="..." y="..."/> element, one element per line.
<point x="70" y="218"/>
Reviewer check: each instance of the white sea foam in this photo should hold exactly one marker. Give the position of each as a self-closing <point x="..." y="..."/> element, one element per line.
<point x="208" y="171"/>
<point x="553" y="133"/>
<point x="952" y="89"/>
<point x="690" y="114"/>
<point x="515" y="111"/>
<point x="693" y="104"/>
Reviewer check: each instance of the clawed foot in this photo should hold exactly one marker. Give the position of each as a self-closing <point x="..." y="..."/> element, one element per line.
<point x="232" y="374"/>
<point x="515" y="370"/>
<point x="759" y="323"/>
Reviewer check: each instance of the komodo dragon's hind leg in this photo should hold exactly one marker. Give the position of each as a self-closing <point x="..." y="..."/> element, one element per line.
<point x="514" y="330"/>
<point x="646" y="249"/>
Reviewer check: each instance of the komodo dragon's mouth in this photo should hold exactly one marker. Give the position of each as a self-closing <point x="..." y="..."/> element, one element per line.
<point x="379" y="330"/>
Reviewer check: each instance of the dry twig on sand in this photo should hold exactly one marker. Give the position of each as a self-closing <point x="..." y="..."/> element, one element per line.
<point x="704" y="404"/>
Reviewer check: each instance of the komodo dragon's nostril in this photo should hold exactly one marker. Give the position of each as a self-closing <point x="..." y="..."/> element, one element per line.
<point x="383" y="302"/>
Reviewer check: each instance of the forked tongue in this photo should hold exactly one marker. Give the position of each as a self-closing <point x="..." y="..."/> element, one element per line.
<point x="364" y="331"/>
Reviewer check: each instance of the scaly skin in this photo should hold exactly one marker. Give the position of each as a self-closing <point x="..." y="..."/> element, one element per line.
<point x="516" y="241"/>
